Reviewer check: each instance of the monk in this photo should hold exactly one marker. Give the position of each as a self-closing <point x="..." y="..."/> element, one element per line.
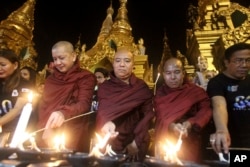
<point x="67" y="93"/>
<point x="125" y="108"/>
<point x="180" y="107"/>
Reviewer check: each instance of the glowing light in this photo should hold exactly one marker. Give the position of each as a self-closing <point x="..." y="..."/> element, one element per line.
<point x="167" y="150"/>
<point x="100" y="145"/>
<point x="171" y="152"/>
<point x="59" y="142"/>
<point x="22" y="123"/>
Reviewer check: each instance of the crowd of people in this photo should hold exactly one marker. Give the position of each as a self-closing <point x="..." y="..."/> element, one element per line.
<point x="77" y="102"/>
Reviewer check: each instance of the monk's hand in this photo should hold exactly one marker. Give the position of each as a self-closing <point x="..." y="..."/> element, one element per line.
<point x="109" y="128"/>
<point x="55" y="120"/>
<point x="177" y="128"/>
<point x="132" y="151"/>
<point x="220" y="141"/>
<point x="186" y="127"/>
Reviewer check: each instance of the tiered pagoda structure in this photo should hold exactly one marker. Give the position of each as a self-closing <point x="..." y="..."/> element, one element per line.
<point x="218" y="25"/>
<point x="118" y="31"/>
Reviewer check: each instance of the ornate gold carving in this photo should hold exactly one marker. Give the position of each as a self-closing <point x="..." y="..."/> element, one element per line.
<point x="233" y="7"/>
<point x="239" y="34"/>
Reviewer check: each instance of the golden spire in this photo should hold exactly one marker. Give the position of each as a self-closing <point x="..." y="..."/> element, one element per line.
<point x="167" y="53"/>
<point x="121" y="26"/>
<point x="106" y="25"/>
<point x="120" y="33"/>
<point x="16" y="33"/>
<point x="78" y="46"/>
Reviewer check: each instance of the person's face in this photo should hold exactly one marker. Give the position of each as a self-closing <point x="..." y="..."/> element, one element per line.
<point x="40" y="88"/>
<point x="173" y="73"/>
<point x="25" y="74"/>
<point x="63" y="60"/>
<point x="123" y="64"/>
<point x="99" y="77"/>
<point x="239" y="64"/>
<point x="7" y="68"/>
<point x="203" y="64"/>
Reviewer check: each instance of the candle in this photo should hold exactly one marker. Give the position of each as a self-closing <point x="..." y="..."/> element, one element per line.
<point x="22" y="123"/>
<point x="155" y="84"/>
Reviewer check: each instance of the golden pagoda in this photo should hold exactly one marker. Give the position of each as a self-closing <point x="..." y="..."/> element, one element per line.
<point x="16" y="33"/>
<point x="167" y="53"/>
<point x="219" y="25"/>
<point x="120" y="32"/>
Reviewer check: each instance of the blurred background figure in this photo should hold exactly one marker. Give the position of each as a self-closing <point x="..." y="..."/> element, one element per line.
<point x="101" y="74"/>
<point x="29" y="74"/>
<point x="203" y="75"/>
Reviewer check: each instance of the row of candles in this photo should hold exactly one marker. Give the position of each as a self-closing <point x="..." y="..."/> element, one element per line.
<point x="170" y="149"/>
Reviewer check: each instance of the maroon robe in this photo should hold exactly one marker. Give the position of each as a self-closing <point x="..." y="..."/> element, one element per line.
<point x="130" y="107"/>
<point x="71" y="93"/>
<point x="188" y="103"/>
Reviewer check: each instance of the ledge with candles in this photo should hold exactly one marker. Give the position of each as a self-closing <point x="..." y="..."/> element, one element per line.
<point x="100" y="155"/>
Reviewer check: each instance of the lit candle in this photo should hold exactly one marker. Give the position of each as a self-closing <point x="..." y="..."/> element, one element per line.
<point x="157" y="78"/>
<point x="22" y="123"/>
<point x="59" y="142"/>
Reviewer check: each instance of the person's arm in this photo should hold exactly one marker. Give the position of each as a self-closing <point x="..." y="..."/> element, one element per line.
<point x="82" y="103"/>
<point x="143" y="125"/>
<point x="14" y="112"/>
<point x="221" y="138"/>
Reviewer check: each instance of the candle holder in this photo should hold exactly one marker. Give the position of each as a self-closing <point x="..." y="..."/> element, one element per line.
<point x="43" y="155"/>
<point x="111" y="161"/>
<point x="80" y="159"/>
<point x="155" y="162"/>
<point x="5" y="152"/>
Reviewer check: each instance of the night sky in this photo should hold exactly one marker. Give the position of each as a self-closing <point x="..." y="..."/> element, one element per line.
<point x="67" y="19"/>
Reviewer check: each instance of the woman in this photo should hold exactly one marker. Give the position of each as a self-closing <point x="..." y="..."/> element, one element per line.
<point x="13" y="93"/>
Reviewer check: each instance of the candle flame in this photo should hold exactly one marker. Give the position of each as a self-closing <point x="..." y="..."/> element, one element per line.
<point x="30" y="96"/>
<point x="170" y="151"/>
<point x="100" y="145"/>
<point x="59" y="142"/>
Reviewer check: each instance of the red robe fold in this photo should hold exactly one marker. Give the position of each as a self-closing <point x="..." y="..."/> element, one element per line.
<point x="71" y="93"/>
<point x="189" y="102"/>
<point x="130" y="107"/>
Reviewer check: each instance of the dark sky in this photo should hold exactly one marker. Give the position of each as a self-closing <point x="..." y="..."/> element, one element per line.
<point x="67" y="19"/>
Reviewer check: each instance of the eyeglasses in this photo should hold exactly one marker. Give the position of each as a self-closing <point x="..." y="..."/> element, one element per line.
<point x="241" y="61"/>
